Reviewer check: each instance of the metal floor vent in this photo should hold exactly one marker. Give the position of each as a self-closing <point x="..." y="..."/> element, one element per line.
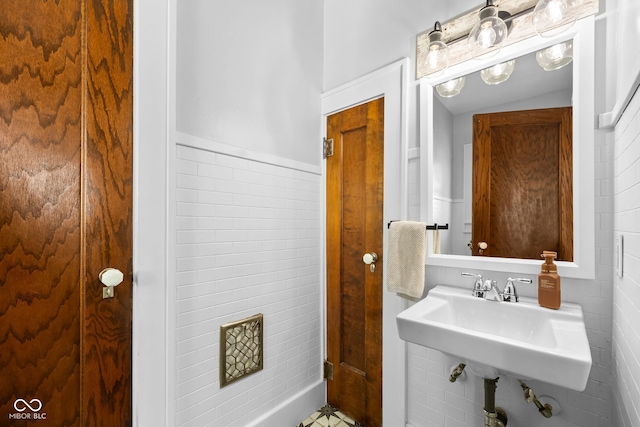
<point x="240" y="349"/>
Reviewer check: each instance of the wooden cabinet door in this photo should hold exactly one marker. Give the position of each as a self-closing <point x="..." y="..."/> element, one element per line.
<point x="522" y="183"/>
<point x="66" y="133"/>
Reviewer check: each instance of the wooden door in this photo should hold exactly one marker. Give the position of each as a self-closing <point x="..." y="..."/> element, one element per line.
<point x="66" y="81"/>
<point x="522" y="183"/>
<point x="354" y="293"/>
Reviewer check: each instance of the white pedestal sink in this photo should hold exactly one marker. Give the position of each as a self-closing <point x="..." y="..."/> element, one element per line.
<point x="519" y="339"/>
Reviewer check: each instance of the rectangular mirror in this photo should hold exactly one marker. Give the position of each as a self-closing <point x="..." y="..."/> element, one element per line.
<point x="446" y="165"/>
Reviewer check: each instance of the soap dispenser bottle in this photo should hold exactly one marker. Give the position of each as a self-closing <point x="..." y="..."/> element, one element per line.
<point x="549" y="282"/>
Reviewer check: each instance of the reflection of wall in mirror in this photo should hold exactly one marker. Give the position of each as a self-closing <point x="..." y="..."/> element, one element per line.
<point x="462" y="134"/>
<point x="443" y="171"/>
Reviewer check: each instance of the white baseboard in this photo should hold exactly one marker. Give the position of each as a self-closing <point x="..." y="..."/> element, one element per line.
<point x="295" y="410"/>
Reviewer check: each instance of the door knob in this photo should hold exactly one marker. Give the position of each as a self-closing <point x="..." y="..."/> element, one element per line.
<point x="482" y="246"/>
<point x="370" y="259"/>
<point x="110" y="278"/>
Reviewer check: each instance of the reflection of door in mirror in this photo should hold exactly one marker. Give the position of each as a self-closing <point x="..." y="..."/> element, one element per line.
<point x="522" y="183"/>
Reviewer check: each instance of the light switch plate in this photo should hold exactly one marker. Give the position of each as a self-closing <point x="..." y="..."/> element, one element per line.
<point x="619" y="254"/>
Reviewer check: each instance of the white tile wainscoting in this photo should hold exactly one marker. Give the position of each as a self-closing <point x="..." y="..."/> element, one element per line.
<point x="247" y="242"/>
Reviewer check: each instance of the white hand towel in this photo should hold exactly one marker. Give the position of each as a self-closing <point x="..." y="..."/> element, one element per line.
<point x="405" y="268"/>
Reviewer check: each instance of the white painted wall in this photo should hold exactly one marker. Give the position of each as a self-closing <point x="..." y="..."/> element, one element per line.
<point x="249" y="74"/>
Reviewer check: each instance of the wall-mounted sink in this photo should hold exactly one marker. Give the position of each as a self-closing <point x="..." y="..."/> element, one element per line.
<point x="520" y="339"/>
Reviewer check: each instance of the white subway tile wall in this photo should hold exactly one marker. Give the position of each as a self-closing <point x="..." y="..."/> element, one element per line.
<point x="434" y="401"/>
<point x="626" y="290"/>
<point x="247" y="242"/>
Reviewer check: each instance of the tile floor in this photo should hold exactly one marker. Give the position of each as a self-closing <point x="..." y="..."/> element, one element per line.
<point x="328" y="416"/>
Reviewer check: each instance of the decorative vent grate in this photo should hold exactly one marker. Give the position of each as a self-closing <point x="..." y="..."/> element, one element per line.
<point x="240" y="349"/>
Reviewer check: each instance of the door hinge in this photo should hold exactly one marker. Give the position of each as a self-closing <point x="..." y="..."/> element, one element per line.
<point x="327" y="147"/>
<point x="328" y="370"/>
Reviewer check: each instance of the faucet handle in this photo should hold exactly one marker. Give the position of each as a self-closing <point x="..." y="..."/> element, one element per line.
<point x="510" y="293"/>
<point x="477" y="286"/>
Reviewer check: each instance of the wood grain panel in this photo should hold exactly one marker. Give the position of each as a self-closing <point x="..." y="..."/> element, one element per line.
<point x="522" y="183"/>
<point x="65" y="210"/>
<point x="374" y="224"/>
<point x="107" y="212"/>
<point x="524" y="191"/>
<point x="353" y="247"/>
<point x="40" y="133"/>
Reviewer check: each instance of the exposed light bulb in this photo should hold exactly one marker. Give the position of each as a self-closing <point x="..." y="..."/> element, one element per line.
<point x="551" y="17"/>
<point x="555" y="52"/>
<point x="498" y="68"/>
<point x="451" y="87"/>
<point x="498" y="73"/>
<point x="556" y="56"/>
<point x="438" y="53"/>
<point x="436" y="59"/>
<point x="487" y="36"/>
<point x="555" y="11"/>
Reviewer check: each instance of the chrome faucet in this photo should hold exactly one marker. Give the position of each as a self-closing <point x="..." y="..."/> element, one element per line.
<point x="510" y="293"/>
<point x="478" y="290"/>
<point x="489" y="290"/>
<point x="492" y="291"/>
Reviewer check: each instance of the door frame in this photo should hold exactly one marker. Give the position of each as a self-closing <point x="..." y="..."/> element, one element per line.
<point x="392" y="83"/>
<point x="154" y="81"/>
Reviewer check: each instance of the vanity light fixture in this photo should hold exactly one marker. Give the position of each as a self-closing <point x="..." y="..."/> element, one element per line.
<point x="450" y="88"/>
<point x="551" y="17"/>
<point x="487" y="36"/>
<point x="438" y="53"/>
<point x="556" y="56"/>
<point x="498" y="73"/>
